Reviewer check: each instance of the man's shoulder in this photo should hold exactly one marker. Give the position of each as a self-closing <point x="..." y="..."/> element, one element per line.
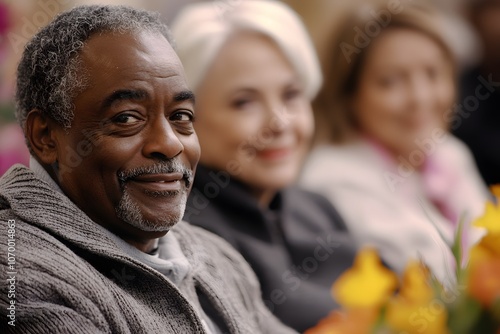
<point x="21" y="189"/>
<point x="11" y="181"/>
<point x="34" y="246"/>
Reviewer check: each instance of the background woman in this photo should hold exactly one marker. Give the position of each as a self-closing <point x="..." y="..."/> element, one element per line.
<point x="254" y="72"/>
<point x="385" y="157"/>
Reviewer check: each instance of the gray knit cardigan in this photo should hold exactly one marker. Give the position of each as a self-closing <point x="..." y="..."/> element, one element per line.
<point x="72" y="278"/>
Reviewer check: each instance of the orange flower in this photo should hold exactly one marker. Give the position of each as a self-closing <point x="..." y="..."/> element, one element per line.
<point x="484" y="281"/>
<point x="484" y="264"/>
<point x="368" y="284"/>
<point x="490" y="244"/>
<point x="496" y="190"/>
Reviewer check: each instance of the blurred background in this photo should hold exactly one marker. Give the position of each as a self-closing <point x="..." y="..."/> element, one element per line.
<point x="473" y="30"/>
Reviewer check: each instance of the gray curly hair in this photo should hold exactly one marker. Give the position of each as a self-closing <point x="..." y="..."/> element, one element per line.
<point x="48" y="76"/>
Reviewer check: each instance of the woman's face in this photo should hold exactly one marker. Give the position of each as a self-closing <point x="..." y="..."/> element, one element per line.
<point x="405" y="87"/>
<point x="253" y="119"/>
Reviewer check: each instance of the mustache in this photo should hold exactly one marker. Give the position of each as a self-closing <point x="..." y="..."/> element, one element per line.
<point x="164" y="167"/>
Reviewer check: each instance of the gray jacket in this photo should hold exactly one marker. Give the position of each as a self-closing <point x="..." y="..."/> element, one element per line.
<point x="73" y="278"/>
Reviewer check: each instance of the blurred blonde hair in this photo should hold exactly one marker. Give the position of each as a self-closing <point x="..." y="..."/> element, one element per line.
<point x="335" y="122"/>
<point x="200" y="30"/>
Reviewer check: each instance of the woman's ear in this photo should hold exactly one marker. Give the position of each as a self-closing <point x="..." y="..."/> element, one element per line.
<point x="41" y="134"/>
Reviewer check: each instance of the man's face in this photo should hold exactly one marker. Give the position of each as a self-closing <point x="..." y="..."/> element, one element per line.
<point x="129" y="158"/>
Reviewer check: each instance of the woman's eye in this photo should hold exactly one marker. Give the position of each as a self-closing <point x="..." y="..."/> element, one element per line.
<point x="126" y="119"/>
<point x="182" y="117"/>
<point x="291" y="94"/>
<point x="388" y="82"/>
<point x="240" y="103"/>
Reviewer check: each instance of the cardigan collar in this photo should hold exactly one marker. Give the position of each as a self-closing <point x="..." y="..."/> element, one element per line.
<point x="171" y="250"/>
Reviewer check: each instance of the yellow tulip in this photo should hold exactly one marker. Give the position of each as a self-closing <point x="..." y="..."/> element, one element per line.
<point x="406" y="317"/>
<point x="491" y="242"/>
<point x="415" y="309"/>
<point x="368" y="284"/>
<point x="490" y="219"/>
<point x="415" y="287"/>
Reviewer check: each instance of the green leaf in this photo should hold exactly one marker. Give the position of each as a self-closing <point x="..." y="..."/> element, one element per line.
<point x="495" y="311"/>
<point x="457" y="251"/>
<point x="464" y="315"/>
<point x="379" y="327"/>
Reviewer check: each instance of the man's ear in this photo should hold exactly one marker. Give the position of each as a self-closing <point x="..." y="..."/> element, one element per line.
<point x="41" y="133"/>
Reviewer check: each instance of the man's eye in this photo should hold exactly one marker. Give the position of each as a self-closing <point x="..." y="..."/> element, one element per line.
<point x="125" y="119"/>
<point x="182" y="116"/>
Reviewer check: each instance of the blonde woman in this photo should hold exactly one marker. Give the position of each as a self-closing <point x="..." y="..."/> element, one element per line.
<point x="254" y="71"/>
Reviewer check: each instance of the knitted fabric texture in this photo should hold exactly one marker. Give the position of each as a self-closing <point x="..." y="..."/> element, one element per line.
<point x="73" y="278"/>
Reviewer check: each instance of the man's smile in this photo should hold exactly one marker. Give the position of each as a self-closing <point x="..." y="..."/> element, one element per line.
<point x="159" y="182"/>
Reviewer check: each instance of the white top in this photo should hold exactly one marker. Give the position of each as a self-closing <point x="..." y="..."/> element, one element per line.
<point x="388" y="207"/>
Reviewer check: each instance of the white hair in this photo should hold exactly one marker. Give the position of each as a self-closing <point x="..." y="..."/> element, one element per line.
<point x="200" y="31"/>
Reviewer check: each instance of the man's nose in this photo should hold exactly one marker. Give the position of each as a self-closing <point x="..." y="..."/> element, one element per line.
<point x="161" y="141"/>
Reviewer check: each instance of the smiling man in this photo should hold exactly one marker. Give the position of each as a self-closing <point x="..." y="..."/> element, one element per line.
<point x="98" y="245"/>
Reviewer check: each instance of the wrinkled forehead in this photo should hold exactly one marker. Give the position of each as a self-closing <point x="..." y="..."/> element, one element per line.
<point x="111" y="52"/>
<point x="142" y="66"/>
